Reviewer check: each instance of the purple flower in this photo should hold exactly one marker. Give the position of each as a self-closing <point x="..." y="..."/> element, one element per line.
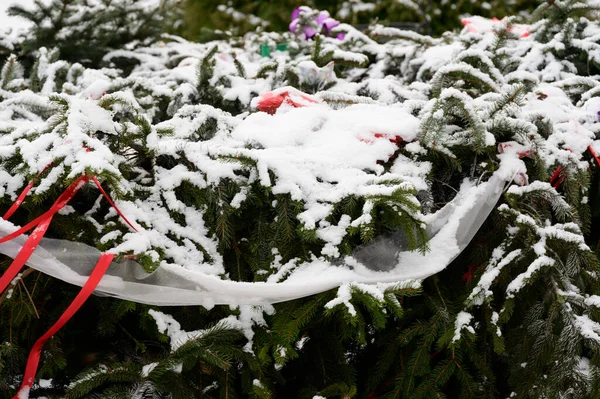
<point x="311" y="25"/>
<point x="294" y="25"/>
<point x="295" y="14"/>
<point x="328" y="23"/>
<point x="323" y="15"/>
<point x="309" y="32"/>
<point x="297" y="11"/>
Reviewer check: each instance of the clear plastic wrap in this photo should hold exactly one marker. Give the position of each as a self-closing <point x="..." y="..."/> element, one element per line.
<point x="381" y="261"/>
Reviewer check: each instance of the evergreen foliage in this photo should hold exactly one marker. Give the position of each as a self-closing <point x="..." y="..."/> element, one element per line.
<point x="207" y="20"/>
<point x="515" y="315"/>
<point x="84" y="32"/>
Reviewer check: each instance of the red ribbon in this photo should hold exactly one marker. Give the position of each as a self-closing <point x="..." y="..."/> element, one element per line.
<point x="21" y="197"/>
<point x="558" y="176"/>
<point x="41" y="224"/>
<point x="110" y="201"/>
<point x="18" y="202"/>
<point x="87" y="290"/>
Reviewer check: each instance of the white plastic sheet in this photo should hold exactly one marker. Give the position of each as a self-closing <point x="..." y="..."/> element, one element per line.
<point x="382" y="261"/>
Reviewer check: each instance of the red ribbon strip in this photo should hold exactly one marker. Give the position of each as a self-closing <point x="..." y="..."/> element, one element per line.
<point x="558" y="177"/>
<point x="24" y="254"/>
<point x="110" y="201"/>
<point x="22" y="196"/>
<point x="41" y="224"/>
<point x="18" y="202"/>
<point x="594" y="154"/>
<point x="87" y="290"/>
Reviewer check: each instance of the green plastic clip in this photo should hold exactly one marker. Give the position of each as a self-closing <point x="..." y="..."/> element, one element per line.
<point x="265" y="50"/>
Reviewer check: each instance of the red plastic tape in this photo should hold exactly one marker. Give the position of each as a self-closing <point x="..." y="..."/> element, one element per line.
<point x="41" y="224"/>
<point x="34" y="356"/>
<point x="24" y="254"/>
<point x="110" y="201"/>
<point x="22" y="196"/>
<point x="18" y="202"/>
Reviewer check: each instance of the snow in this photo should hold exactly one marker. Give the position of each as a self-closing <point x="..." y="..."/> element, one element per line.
<point x="42" y="383"/>
<point x="24" y="393"/>
<point x="99" y="369"/>
<point x="13" y="28"/>
<point x="496" y="264"/>
<point x="8" y="22"/>
<point x="248" y="317"/>
<point x="344" y="295"/>
<point x="257" y="383"/>
<point x="584" y="366"/>
<point x="300" y="344"/>
<point x="317" y="154"/>
<point x="463" y="319"/>
<point x="587" y="327"/>
<point x="517" y="284"/>
<point x="318" y="149"/>
<point x="168" y="325"/>
<point x="147" y="369"/>
<point x="593" y="300"/>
